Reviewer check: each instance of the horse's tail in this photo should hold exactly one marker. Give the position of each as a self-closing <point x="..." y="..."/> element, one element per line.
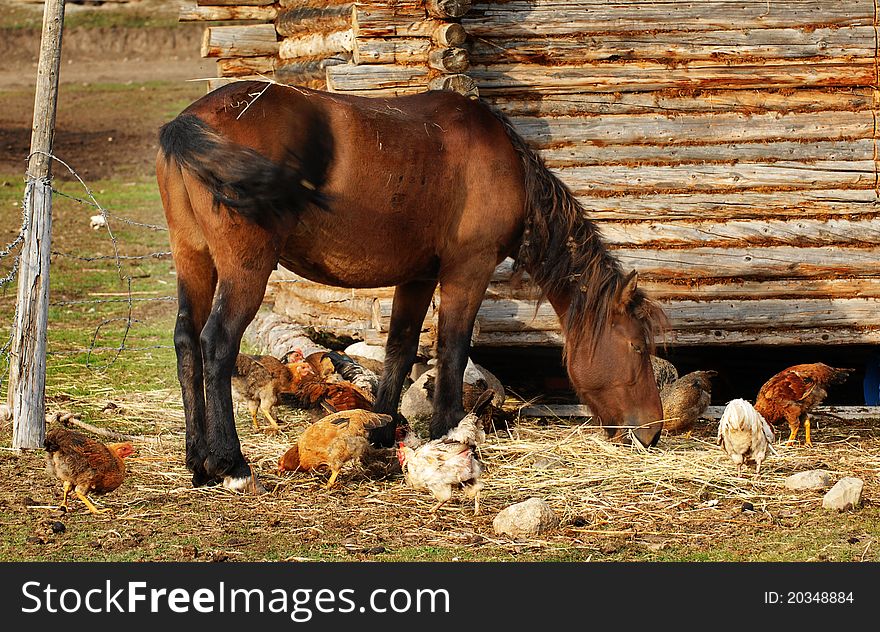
<point x="238" y="177"/>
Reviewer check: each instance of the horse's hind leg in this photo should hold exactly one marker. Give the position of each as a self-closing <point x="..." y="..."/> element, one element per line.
<point x="240" y="291"/>
<point x="461" y="293"/>
<point x="196" y="278"/>
<point x="411" y="301"/>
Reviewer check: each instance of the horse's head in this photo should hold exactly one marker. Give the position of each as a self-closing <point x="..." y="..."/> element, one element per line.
<point x="609" y="365"/>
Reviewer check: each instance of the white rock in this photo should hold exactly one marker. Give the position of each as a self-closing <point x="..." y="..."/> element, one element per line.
<point x="5" y="413"/>
<point x="528" y="518"/>
<point x="812" y="479"/>
<point x="846" y="493"/>
<point x="368" y="356"/>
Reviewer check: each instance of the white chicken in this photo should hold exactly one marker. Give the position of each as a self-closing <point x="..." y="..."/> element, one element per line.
<point x="744" y="434"/>
<point x="447" y="463"/>
<point x="97" y="221"/>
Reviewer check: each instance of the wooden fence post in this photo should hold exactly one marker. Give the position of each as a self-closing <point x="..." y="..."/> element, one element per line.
<point x="27" y="378"/>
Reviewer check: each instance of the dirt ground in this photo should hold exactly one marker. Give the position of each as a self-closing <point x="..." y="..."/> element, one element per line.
<point x="682" y="501"/>
<point x="96" y="128"/>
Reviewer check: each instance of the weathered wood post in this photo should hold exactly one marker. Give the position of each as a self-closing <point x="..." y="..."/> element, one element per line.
<point x="27" y="378"/>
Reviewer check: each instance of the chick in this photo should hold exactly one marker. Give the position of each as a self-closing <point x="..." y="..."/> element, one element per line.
<point x="685" y="400"/>
<point x="744" y="434"/>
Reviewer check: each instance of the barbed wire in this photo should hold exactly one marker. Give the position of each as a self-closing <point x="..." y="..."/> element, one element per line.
<point x="96" y="345"/>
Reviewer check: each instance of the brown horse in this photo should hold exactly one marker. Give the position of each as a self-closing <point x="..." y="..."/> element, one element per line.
<point x="359" y="192"/>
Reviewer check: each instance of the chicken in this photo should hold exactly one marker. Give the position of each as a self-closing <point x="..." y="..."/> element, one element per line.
<point x="85" y="465"/>
<point x="333" y="441"/>
<point x="744" y="434"/>
<point x="97" y="222"/>
<point x="258" y="380"/>
<point x="476" y="385"/>
<point x="791" y="394"/>
<point x="351" y="371"/>
<point x="664" y="371"/>
<point x="447" y="463"/>
<point x="685" y="400"/>
<point x="311" y="387"/>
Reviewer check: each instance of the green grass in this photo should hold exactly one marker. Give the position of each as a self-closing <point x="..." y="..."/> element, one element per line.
<point x="162" y="14"/>
<point x="73" y="326"/>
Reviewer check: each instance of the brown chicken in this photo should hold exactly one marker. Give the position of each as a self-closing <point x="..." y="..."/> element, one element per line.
<point x="685" y="399"/>
<point x="259" y="379"/>
<point x="85" y="465"/>
<point x="313" y="382"/>
<point x="791" y="394"/>
<point x="333" y="441"/>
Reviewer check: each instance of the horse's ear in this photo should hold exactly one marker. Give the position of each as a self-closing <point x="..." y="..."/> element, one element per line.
<point x="630" y="285"/>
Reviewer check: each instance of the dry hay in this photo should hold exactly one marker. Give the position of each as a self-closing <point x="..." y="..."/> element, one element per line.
<point x="685" y="491"/>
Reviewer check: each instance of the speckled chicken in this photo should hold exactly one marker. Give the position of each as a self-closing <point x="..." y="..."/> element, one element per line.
<point x="333" y="442"/>
<point x="790" y="395"/>
<point x="314" y="381"/>
<point x="685" y="400"/>
<point x="744" y="434"/>
<point x="664" y="371"/>
<point x="258" y="380"/>
<point x="85" y="465"/>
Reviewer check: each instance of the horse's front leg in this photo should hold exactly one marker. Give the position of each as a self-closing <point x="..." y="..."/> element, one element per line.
<point x="235" y="305"/>
<point x="411" y="301"/>
<point x="461" y="294"/>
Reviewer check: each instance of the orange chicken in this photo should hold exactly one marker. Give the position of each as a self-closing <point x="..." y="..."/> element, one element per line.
<point x="333" y="441"/>
<point x="85" y="465"/>
<point x="258" y="380"/>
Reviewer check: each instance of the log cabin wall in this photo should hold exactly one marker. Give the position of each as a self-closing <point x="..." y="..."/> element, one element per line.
<point x="728" y="150"/>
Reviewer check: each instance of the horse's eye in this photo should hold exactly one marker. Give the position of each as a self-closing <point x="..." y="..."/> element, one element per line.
<point x="637" y="347"/>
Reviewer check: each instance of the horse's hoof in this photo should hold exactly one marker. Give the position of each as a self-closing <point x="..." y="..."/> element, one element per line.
<point x="246" y="485"/>
<point x="201" y="479"/>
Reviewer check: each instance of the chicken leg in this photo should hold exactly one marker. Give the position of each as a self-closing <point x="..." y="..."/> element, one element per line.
<point x="67" y="487"/>
<point x="807" y="440"/>
<point x="88" y="503"/>
<point x="274" y="427"/>
<point x="794" y="430"/>
<point x="332" y="481"/>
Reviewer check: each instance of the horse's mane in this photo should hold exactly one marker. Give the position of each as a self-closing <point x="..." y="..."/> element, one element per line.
<point x="564" y="253"/>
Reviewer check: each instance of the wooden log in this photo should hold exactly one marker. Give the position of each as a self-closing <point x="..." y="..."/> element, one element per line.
<point x="308" y="20"/>
<point x="451" y="60"/>
<point x="590" y="154"/>
<point x="689" y="129"/>
<point x="463" y="84"/>
<point x="391" y="50"/>
<point x="247" y="66"/>
<point x="260" y="13"/>
<point x="294" y="4"/>
<point x="559" y="17"/>
<point x="673" y="102"/>
<point x="311" y="73"/>
<point x="246" y="3"/>
<point x="746" y="204"/>
<point x="449" y="34"/>
<point x="339" y="311"/>
<point x="377" y="78"/>
<point x="743" y="233"/>
<point x="762" y="263"/>
<point x="735" y="46"/>
<point x="781" y="337"/>
<point x="252" y="40"/>
<point x="698" y="289"/>
<point x="773" y="313"/>
<point x="789" y="176"/>
<point x="447" y="8"/>
<point x="404" y="20"/>
<point x="316" y="45"/>
<point x="512" y="79"/>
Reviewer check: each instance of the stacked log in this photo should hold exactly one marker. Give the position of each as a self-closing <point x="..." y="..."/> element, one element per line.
<point x="404" y="47"/>
<point x="375" y="47"/>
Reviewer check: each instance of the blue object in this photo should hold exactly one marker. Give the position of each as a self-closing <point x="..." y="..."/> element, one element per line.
<point x="871" y="383"/>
